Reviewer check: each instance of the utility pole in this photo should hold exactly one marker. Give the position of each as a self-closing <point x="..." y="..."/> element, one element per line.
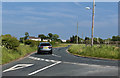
<point x="82" y="37"/>
<point x="77" y="33"/>
<point x="93" y="12"/>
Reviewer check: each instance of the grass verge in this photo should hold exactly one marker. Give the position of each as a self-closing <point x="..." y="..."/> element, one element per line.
<point x="103" y="51"/>
<point x="60" y="45"/>
<point x="10" y="55"/>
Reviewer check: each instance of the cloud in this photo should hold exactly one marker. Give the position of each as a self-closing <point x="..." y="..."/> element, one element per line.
<point x="35" y="18"/>
<point x="58" y="19"/>
<point x="77" y="3"/>
<point x="30" y="11"/>
<point x="19" y="22"/>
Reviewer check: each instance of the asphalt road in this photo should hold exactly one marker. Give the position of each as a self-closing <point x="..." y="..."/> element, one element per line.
<point x="60" y="63"/>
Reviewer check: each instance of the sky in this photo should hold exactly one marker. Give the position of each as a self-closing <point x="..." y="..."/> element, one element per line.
<point x="59" y="18"/>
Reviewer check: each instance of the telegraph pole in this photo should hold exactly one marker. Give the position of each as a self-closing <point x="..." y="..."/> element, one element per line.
<point x="93" y="12"/>
<point x="77" y="33"/>
<point x="82" y="37"/>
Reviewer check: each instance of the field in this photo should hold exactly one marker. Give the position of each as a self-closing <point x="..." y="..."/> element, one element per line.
<point x="99" y="51"/>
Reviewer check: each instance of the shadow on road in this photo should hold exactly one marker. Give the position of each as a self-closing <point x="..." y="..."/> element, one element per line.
<point x="42" y="54"/>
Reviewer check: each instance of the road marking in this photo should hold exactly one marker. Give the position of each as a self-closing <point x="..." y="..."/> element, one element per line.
<point x="81" y="64"/>
<point x="42" y="59"/>
<point x="38" y="58"/>
<point x="54" y="61"/>
<point x="88" y="64"/>
<point x="47" y="60"/>
<point x="55" y="55"/>
<point x="44" y="68"/>
<point x="18" y="66"/>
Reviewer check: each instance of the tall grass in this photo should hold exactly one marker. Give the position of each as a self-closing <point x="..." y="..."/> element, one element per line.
<point x="9" y="55"/>
<point x="103" y="51"/>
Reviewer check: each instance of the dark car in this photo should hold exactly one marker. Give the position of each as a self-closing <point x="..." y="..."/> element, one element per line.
<point x="44" y="47"/>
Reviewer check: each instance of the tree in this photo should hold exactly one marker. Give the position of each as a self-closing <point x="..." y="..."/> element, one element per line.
<point x="67" y="41"/>
<point x="95" y="40"/>
<point x="100" y="40"/>
<point x="116" y="38"/>
<point x="59" y="40"/>
<point x="42" y="36"/>
<point x="22" y="39"/>
<point x="55" y="37"/>
<point x="50" y="35"/>
<point x="80" y="40"/>
<point x="87" y="38"/>
<point x="26" y="35"/>
<point x="72" y="39"/>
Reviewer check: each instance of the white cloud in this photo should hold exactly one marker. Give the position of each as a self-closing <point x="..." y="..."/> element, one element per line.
<point x="19" y="22"/>
<point x="53" y="14"/>
<point x="77" y="3"/>
<point x="35" y="18"/>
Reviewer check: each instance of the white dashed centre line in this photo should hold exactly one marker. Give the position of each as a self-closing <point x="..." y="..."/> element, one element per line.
<point x="55" y="55"/>
<point x="41" y="59"/>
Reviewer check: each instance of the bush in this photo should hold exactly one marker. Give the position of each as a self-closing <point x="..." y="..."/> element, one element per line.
<point x="52" y="42"/>
<point x="21" y="39"/>
<point x="10" y="42"/>
<point x="67" y="41"/>
<point x="37" y="43"/>
<point x="30" y="42"/>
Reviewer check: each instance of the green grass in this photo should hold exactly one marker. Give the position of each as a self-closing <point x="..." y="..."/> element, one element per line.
<point x="60" y="45"/>
<point x="103" y="51"/>
<point x="9" y="55"/>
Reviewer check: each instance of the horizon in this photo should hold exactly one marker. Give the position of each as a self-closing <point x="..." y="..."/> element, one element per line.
<point x="59" y="18"/>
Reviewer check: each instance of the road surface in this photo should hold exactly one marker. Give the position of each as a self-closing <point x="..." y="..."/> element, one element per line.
<point x="60" y="63"/>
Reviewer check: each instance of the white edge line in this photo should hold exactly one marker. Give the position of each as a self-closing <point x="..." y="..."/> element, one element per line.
<point x="84" y="63"/>
<point x="89" y="64"/>
<point x="44" y="68"/>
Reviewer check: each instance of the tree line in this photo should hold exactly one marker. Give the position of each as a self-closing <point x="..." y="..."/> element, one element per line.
<point x="11" y="42"/>
<point x="53" y="37"/>
<point x="87" y="40"/>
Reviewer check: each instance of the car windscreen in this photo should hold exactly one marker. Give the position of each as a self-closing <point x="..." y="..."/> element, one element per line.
<point x="45" y="44"/>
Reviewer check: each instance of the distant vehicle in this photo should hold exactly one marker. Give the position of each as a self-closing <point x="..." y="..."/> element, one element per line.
<point x="44" y="47"/>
